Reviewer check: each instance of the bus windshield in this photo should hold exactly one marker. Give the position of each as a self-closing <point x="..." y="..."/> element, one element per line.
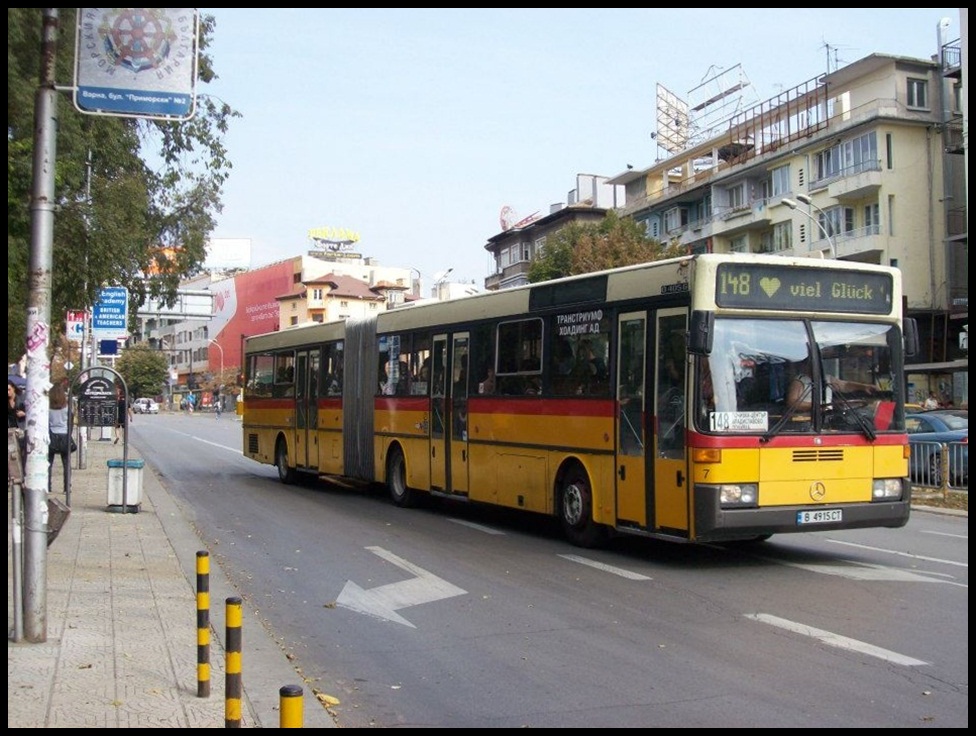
<point x="772" y="377"/>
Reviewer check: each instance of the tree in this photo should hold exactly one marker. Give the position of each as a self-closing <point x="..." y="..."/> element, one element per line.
<point x="587" y="247"/>
<point x="145" y="370"/>
<point x="136" y="198"/>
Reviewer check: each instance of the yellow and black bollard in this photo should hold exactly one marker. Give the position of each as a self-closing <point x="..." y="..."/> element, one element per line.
<point x="290" y="706"/>
<point x="233" y="690"/>
<point x="203" y="624"/>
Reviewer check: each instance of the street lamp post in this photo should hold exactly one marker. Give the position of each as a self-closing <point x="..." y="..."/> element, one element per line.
<point x="805" y="199"/>
<point x="220" y="382"/>
<point x="416" y="285"/>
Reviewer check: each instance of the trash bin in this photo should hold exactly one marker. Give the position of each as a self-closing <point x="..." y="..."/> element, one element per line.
<point x="133" y="480"/>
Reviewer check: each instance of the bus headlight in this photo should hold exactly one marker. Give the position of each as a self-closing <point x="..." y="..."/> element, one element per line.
<point x="887" y="489"/>
<point x="735" y="495"/>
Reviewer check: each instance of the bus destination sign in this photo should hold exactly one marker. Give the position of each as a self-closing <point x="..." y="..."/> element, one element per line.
<point x="787" y="288"/>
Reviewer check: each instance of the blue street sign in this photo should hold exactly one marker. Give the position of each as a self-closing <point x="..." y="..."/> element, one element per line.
<point x="110" y="313"/>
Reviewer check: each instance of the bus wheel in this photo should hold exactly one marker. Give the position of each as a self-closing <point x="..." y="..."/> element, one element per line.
<point x="576" y="510"/>
<point x="286" y="474"/>
<point x="396" y="479"/>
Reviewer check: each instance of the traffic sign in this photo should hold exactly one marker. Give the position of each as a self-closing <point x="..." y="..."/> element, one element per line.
<point x="137" y="62"/>
<point x="75" y="326"/>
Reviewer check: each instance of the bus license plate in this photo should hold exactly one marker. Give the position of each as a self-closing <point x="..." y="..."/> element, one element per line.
<point x="821" y="516"/>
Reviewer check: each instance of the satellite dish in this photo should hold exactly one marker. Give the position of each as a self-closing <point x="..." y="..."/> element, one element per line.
<point x="507" y="218"/>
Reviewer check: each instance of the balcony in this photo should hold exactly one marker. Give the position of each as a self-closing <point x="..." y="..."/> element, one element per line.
<point x="730" y="221"/>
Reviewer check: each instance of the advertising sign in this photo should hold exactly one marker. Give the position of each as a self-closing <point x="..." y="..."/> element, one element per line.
<point x="136" y="62"/>
<point x="74" y="328"/>
<point x="110" y="313"/>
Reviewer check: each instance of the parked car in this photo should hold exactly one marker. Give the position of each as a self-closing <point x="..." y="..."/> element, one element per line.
<point x="928" y="431"/>
<point x="145" y="406"/>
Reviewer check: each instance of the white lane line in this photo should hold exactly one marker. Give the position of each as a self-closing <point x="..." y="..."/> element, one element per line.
<point x="835" y="640"/>
<point x="606" y="568"/>
<point x="901" y="554"/>
<point x="478" y="527"/>
<point x="944" y="534"/>
<point x="236" y="450"/>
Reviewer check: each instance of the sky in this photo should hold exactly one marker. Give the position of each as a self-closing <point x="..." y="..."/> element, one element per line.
<point x="413" y="128"/>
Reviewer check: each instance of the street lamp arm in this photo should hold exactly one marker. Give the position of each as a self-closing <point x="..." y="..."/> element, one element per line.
<point x="805" y="199"/>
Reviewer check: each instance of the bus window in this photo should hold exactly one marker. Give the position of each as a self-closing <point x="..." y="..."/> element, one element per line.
<point x="332" y="369"/>
<point x="260" y="376"/>
<point x="519" y="356"/>
<point x="284" y="384"/>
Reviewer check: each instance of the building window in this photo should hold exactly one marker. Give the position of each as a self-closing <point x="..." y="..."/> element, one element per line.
<point x="836" y="220"/>
<point x="293" y="321"/>
<point x="780" y="179"/>
<point x="540" y="246"/>
<point x="737" y="196"/>
<point x="675" y="219"/>
<point x="827" y="163"/>
<point x="739" y="244"/>
<point x="918" y="93"/>
<point x="783" y="236"/>
<point x="872" y="219"/>
<point x="343" y="304"/>
<point x="317" y="294"/>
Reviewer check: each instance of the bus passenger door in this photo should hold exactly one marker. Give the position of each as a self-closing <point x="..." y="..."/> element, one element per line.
<point x="301" y="410"/>
<point x="632" y="501"/>
<point x="672" y="485"/>
<point x="458" y="460"/>
<point x="438" y="414"/>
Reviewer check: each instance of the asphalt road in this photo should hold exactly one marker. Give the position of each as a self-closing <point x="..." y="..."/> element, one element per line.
<point x="458" y="616"/>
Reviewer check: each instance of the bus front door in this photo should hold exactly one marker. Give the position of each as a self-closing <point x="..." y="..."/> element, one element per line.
<point x="632" y="499"/>
<point x="671" y="483"/>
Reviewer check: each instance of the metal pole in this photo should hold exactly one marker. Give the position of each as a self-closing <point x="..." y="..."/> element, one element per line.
<point x="38" y="329"/>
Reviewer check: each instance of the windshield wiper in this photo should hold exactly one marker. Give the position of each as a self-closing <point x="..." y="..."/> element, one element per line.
<point x="851" y="410"/>
<point x="776" y="428"/>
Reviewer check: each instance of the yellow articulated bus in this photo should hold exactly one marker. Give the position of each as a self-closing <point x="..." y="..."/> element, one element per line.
<point x="697" y="399"/>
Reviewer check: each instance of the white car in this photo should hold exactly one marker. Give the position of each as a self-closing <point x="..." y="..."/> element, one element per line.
<point x="145" y="406"/>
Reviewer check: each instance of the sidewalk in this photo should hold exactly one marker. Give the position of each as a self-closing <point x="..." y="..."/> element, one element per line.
<point x="121" y="649"/>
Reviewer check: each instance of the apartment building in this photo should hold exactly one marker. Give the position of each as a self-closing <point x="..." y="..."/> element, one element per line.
<point x="863" y="164"/>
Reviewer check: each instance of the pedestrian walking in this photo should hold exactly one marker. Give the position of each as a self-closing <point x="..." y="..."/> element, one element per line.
<point x="123" y="414"/>
<point x="60" y="441"/>
<point x="17" y="419"/>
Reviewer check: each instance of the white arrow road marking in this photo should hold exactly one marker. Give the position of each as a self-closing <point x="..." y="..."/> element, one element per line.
<point x="835" y="640"/>
<point x="384" y="601"/>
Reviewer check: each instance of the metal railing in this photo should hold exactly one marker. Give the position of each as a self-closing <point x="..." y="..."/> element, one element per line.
<point x="940" y="466"/>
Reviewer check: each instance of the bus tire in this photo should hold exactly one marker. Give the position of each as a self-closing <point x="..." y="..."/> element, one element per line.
<point x="396" y="479"/>
<point x="286" y="474"/>
<point x="575" y="509"/>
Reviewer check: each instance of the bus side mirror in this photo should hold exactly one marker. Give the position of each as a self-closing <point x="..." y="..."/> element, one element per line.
<point x="910" y="328"/>
<point x="702" y="332"/>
